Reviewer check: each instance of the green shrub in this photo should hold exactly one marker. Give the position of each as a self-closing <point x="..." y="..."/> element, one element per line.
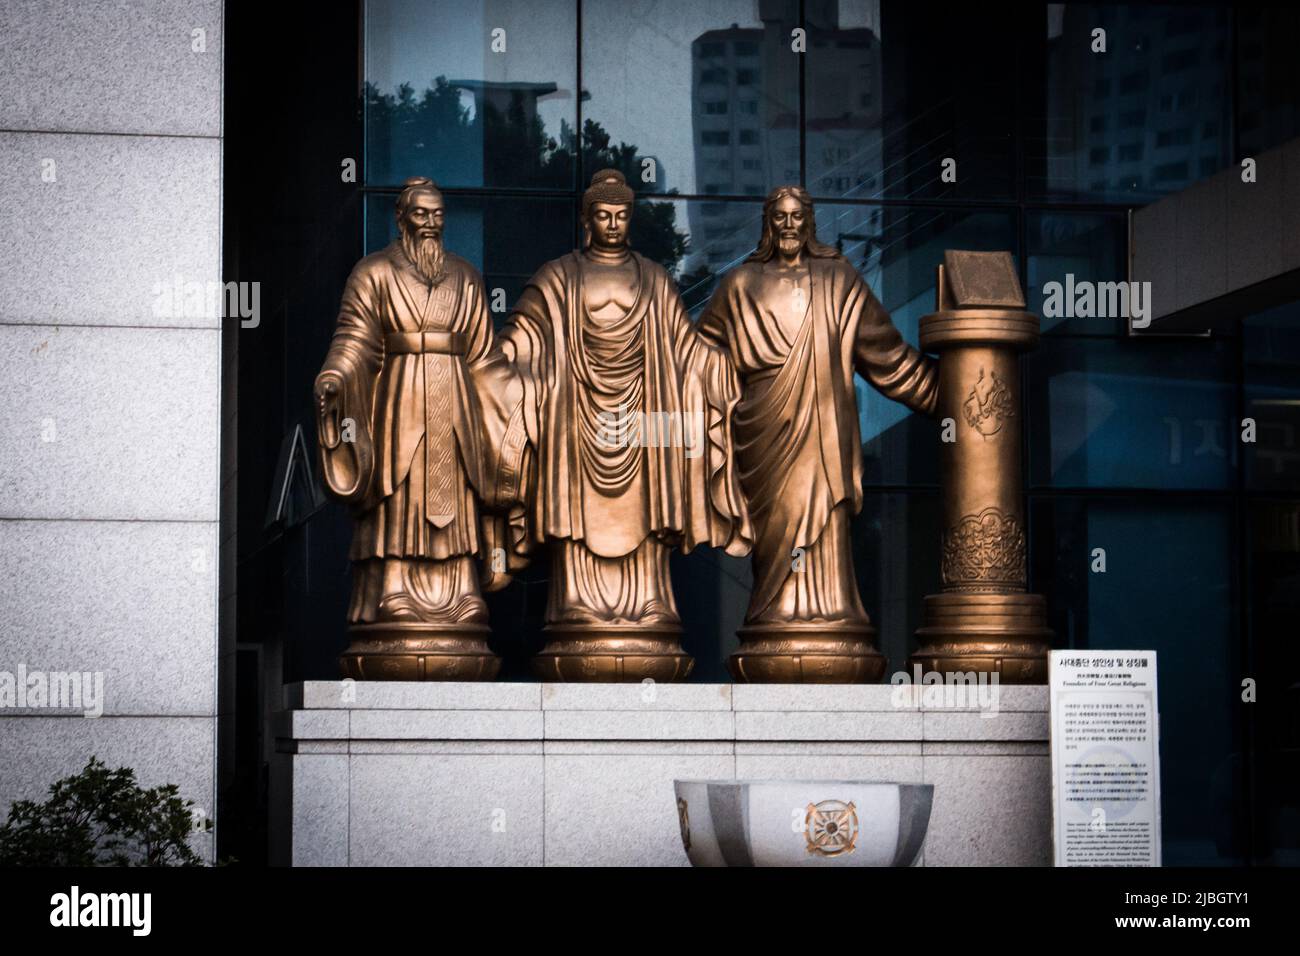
<point x="101" y="817"/>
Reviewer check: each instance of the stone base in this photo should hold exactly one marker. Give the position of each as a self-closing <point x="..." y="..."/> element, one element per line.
<point x="449" y="774"/>
<point x="806" y="654"/>
<point x="415" y="650"/>
<point x="1003" y="634"/>
<point x="610" y="653"/>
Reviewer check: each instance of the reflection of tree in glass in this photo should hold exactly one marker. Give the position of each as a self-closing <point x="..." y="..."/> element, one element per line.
<point x="435" y="134"/>
<point x="406" y="132"/>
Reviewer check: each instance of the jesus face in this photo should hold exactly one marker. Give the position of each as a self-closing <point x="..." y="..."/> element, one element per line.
<point x="607" y="224"/>
<point x="789" y="223"/>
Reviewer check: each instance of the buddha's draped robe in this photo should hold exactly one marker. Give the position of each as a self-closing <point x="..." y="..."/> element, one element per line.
<point x="798" y="444"/>
<point x="609" y="508"/>
<point x="405" y="350"/>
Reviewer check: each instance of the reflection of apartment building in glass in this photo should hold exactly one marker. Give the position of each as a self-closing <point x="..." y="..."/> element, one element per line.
<point x="843" y="130"/>
<point x="735" y="148"/>
<point x="745" y="106"/>
<point x="1145" y="118"/>
<point x="843" y="97"/>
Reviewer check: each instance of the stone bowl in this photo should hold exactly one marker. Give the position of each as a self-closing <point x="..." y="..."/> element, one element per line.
<point x="802" y="822"/>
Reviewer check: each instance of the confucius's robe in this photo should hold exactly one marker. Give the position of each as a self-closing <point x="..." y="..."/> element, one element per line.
<point x="411" y="473"/>
<point x="798" y="444"/>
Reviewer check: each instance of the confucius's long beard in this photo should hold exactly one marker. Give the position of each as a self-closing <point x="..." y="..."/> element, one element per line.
<point x="426" y="255"/>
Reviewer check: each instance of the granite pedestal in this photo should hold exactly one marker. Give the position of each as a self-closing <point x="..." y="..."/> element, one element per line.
<point x="429" y="774"/>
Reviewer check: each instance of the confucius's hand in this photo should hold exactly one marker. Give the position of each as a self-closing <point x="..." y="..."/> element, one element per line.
<point x="328" y="389"/>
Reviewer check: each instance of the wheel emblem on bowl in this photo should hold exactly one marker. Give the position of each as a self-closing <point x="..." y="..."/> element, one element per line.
<point x="831" y="827"/>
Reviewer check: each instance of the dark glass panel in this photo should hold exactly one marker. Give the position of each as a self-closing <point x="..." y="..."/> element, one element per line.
<point x="845" y="101"/>
<point x="1274" y="575"/>
<point x="896" y="251"/>
<point x="697" y="240"/>
<point x="1169" y="585"/>
<point x="896" y="556"/>
<point x="1272" y="392"/>
<point x="1069" y="248"/>
<point x="1268" y="76"/>
<point x="1147" y="117"/>
<point x="947" y="90"/>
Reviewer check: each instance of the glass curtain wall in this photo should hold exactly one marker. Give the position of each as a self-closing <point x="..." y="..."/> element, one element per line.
<point x="921" y="127"/>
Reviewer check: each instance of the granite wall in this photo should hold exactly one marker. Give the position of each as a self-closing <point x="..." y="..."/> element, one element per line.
<point x="110" y="147"/>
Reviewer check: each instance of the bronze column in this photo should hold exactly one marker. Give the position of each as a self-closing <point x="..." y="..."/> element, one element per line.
<point x="983" y="620"/>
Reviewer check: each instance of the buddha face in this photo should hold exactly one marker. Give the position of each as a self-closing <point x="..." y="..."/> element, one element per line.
<point x="607" y="224"/>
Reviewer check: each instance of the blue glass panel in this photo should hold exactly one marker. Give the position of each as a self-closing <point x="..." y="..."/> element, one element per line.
<point x="448" y="96"/>
<point x="696" y="240"/>
<point x="1131" y="413"/>
<point x="709" y="91"/>
<point x="845" y="98"/>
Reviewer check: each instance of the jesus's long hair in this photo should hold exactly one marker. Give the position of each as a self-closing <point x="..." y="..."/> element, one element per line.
<point x="768" y="245"/>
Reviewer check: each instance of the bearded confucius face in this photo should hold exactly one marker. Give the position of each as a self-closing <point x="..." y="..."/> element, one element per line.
<point x="421" y="224"/>
<point x="789" y="223"/>
<point x="423" y="218"/>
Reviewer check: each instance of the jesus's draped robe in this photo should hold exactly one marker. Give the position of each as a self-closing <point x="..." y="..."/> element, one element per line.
<point x="798" y="445"/>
